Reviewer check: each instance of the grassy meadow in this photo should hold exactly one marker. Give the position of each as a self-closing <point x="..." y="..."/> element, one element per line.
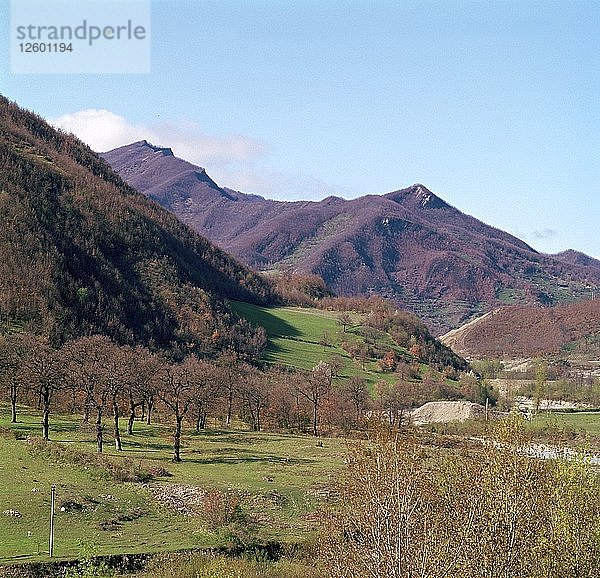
<point x="582" y="423"/>
<point x="278" y="479"/>
<point x="295" y="337"/>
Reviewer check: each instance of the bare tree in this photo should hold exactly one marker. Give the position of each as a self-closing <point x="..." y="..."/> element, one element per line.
<point x="95" y="365"/>
<point x="207" y="392"/>
<point x="344" y="320"/>
<point x="141" y="382"/>
<point x="43" y="370"/>
<point x="178" y="391"/>
<point x="228" y="376"/>
<point x="256" y="392"/>
<point x="315" y="387"/>
<point x="355" y="390"/>
<point x="12" y="352"/>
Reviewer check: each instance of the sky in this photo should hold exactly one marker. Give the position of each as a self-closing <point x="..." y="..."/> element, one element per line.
<point x="494" y="106"/>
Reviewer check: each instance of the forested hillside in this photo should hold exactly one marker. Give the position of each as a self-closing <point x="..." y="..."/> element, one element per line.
<point x="81" y="252"/>
<point x="521" y="331"/>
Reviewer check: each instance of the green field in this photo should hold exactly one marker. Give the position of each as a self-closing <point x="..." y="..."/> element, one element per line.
<point x="579" y="422"/>
<point x="295" y="333"/>
<point x="279" y="478"/>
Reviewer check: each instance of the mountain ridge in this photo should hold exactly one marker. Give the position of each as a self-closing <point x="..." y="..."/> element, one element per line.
<point x="408" y="245"/>
<point x="567" y="330"/>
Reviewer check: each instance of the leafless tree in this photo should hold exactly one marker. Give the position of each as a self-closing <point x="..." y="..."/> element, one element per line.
<point x="229" y="376"/>
<point x="355" y="390"/>
<point x="179" y="384"/>
<point x="141" y="384"/>
<point x="12" y="353"/>
<point x="256" y="393"/>
<point x="97" y="366"/>
<point x="43" y="370"/>
<point x="315" y="387"/>
<point x="344" y="320"/>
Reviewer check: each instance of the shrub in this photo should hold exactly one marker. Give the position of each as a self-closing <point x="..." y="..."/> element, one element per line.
<point x="409" y="511"/>
<point x="122" y="471"/>
<point x="221" y="509"/>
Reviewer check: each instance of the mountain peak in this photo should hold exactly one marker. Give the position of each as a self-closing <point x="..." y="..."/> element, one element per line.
<point x="166" y="151"/>
<point x="423" y="194"/>
<point x="418" y="195"/>
<point x="574" y="257"/>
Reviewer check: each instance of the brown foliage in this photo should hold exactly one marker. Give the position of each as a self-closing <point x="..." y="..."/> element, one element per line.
<point x="521" y="331"/>
<point x="404" y="511"/>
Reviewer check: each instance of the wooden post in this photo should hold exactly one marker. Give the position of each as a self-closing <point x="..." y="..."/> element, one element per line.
<point x="487" y="409"/>
<point x="52" y="496"/>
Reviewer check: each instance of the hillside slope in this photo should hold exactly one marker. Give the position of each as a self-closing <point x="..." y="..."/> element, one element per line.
<point x="525" y="331"/>
<point x="409" y="245"/>
<point x="81" y="252"/>
<point x="301" y="337"/>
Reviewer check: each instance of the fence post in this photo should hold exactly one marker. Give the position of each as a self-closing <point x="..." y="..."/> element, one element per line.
<point x="52" y="495"/>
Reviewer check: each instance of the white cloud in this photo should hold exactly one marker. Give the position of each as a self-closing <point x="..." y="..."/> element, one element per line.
<point x="545" y="234"/>
<point x="231" y="160"/>
<point x="102" y="130"/>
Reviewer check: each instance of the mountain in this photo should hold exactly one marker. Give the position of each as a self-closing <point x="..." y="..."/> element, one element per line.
<point x="529" y="331"/>
<point x="82" y="252"/>
<point x="409" y="245"/>
<point x="577" y="258"/>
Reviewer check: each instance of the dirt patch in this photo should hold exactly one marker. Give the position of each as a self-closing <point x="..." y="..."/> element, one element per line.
<point x="446" y="411"/>
<point x="187" y="500"/>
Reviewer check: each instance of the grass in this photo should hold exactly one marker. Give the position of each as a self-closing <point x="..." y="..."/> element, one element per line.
<point x="198" y="566"/>
<point x="587" y="423"/>
<point x="295" y="335"/>
<point x="279" y="479"/>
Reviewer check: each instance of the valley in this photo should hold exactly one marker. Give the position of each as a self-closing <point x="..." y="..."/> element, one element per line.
<point x="199" y="418"/>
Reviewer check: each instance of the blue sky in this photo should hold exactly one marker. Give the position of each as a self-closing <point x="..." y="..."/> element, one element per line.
<point x="494" y="106"/>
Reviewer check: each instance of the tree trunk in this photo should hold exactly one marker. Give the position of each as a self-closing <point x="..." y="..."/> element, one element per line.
<point x="229" y="405"/>
<point x="258" y="418"/>
<point x="13" y="403"/>
<point x="297" y="399"/>
<point x="200" y="419"/>
<point x="315" y="433"/>
<point x="86" y="409"/>
<point x="115" y="406"/>
<point x="132" y="406"/>
<point x="177" y="438"/>
<point x="45" y="395"/>
<point x="149" y="412"/>
<point x="130" y="422"/>
<point x="252" y="415"/>
<point x="99" y="431"/>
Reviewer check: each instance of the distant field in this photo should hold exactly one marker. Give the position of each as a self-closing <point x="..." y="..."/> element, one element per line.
<point x="279" y="477"/>
<point x="588" y="422"/>
<point x="294" y="334"/>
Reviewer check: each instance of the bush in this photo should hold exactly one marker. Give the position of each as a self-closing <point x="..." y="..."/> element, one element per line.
<point x="122" y="471"/>
<point x="408" y="511"/>
<point x="221" y="509"/>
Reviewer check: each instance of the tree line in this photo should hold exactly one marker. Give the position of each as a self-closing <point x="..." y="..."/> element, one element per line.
<point x="104" y="381"/>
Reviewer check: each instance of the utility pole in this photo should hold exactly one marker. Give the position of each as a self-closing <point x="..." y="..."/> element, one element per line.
<point x="52" y="496"/>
